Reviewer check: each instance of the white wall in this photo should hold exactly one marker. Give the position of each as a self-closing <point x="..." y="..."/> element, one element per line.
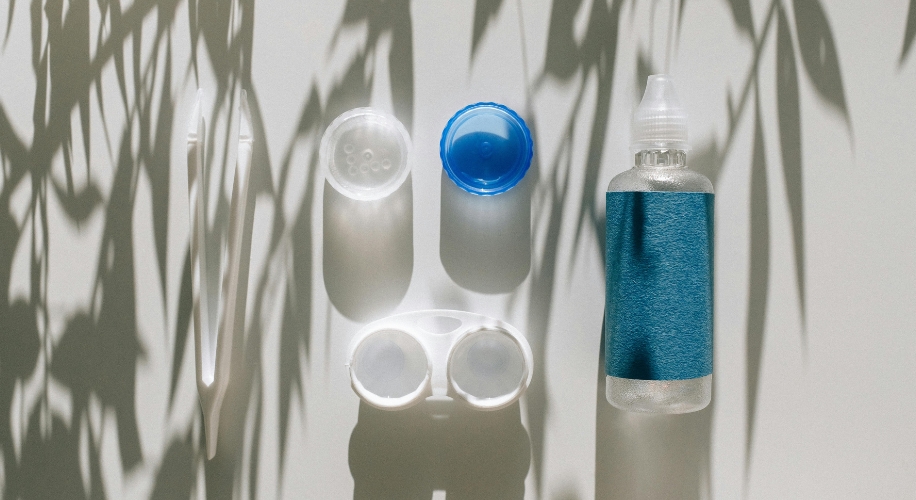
<point x="812" y="394"/>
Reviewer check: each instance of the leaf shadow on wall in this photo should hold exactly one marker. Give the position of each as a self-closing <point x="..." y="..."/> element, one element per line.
<point x="290" y="248"/>
<point x="96" y="356"/>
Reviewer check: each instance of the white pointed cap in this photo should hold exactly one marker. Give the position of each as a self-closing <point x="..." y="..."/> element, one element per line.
<point x="660" y="121"/>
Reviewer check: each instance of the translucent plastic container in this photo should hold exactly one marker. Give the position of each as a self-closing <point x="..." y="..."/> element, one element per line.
<point x="660" y="166"/>
<point x="366" y="153"/>
<point x="400" y="361"/>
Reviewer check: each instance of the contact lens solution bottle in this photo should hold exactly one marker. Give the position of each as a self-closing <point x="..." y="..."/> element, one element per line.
<point x="659" y="267"/>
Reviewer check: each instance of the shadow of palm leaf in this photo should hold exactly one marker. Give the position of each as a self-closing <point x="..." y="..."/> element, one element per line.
<point x="182" y="325"/>
<point x="789" y="115"/>
<point x="173" y="481"/>
<point x="564" y="59"/>
<point x="352" y="91"/>
<point x="58" y="452"/>
<point x="98" y="355"/>
<point x="821" y="62"/>
<point x="98" y="352"/>
<point x="484" y="12"/>
<point x="20" y="337"/>
<point x="117" y="345"/>
<point x="758" y="286"/>
<point x="819" y="54"/>
<point x="386" y="16"/>
<point x="106" y="347"/>
<point x="909" y="34"/>
<point x="157" y="159"/>
<point x="290" y="242"/>
<point x="295" y="333"/>
<point x="741" y="14"/>
<point x="78" y="205"/>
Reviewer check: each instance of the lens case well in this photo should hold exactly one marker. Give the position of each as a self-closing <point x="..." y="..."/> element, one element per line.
<point x="401" y="360"/>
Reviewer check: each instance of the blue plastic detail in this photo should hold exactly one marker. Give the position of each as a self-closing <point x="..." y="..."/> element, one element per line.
<point x="486" y="148"/>
<point x="659" y="285"/>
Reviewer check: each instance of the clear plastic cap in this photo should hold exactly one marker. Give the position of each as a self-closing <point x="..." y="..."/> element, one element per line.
<point x="660" y="121"/>
<point x="366" y="153"/>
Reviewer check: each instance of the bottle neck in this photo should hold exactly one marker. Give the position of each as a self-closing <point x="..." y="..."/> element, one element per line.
<point x="661" y="158"/>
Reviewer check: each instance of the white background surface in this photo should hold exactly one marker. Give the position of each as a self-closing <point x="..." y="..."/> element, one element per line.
<point x="833" y="407"/>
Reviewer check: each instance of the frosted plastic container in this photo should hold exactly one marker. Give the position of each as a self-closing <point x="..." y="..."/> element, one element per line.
<point x="397" y="362"/>
<point x="660" y="151"/>
<point x="366" y="154"/>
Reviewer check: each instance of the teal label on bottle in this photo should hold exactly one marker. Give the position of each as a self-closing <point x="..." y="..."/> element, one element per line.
<point x="659" y="285"/>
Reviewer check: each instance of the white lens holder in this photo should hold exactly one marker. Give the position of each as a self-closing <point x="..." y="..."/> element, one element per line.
<point x="399" y="361"/>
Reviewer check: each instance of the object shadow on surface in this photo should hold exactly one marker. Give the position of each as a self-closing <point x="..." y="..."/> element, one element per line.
<point x="368" y="251"/>
<point x="644" y="456"/>
<point x="409" y="454"/>
<point x="485" y="242"/>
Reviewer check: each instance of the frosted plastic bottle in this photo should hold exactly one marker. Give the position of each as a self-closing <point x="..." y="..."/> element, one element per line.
<point x="659" y="331"/>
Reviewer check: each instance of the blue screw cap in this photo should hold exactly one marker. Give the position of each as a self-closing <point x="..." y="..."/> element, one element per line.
<point x="486" y="148"/>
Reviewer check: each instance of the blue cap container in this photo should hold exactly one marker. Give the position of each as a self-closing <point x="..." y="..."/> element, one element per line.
<point x="486" y="148"/>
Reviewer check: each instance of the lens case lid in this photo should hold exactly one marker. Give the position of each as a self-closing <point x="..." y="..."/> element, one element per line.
<point x="399" y="361"/>
<point x="486" y="148"/>
<point x="366" y="154"/>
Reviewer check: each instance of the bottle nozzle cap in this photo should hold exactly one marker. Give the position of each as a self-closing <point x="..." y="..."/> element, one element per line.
<point x="660" y="121"/>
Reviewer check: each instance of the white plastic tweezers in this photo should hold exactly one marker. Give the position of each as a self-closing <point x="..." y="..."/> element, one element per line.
<point x="214" y="344"/>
